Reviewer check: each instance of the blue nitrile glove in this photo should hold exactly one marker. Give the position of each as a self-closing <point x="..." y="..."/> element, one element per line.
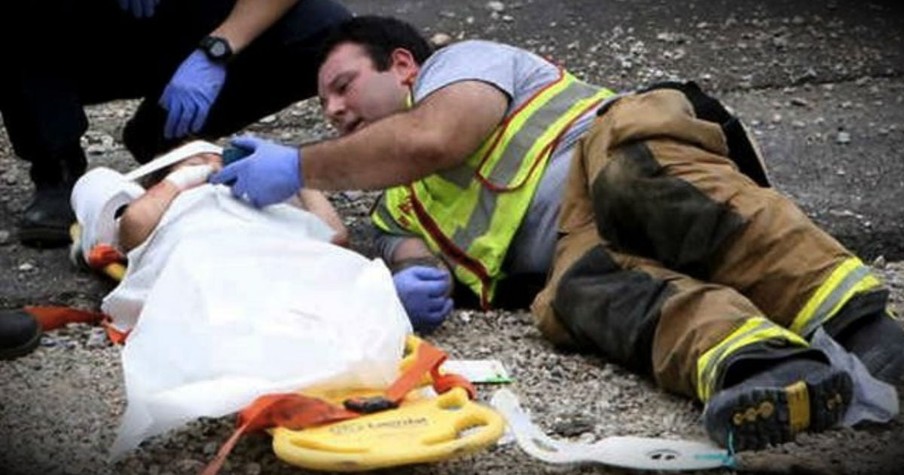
<point x="424" y="292"/>
<point x="190" y="93"/>
<point x="139" y="8"/>
<point x="270" y="174"/>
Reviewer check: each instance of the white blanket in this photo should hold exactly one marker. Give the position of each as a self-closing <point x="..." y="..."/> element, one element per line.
<point x="226" y="302"/>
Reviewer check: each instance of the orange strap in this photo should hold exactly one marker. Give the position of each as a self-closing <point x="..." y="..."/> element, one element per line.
<point x="291" y="410"/>
<point x="296" y="411"/>
<point x="102" y="255"/>
<point x="427" y="359"/>
<point x="53" y="317"/>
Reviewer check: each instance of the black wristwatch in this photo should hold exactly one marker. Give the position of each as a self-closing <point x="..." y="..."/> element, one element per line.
<point x="216" y="48"/>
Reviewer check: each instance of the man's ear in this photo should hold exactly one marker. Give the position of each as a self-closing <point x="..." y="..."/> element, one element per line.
<point x="404" y="65"/>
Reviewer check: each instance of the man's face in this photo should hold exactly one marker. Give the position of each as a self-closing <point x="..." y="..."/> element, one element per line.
<point x="353" y="93"/>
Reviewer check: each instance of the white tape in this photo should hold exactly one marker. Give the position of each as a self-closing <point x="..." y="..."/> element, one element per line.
<point x="174" y="156"/>
<point x="639" y="453"/>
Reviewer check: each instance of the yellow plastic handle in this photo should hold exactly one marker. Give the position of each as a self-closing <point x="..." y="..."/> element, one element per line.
<point x="422" y="431"/>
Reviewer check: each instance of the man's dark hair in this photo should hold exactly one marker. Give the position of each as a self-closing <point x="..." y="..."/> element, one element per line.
<point x="379" y="36"/>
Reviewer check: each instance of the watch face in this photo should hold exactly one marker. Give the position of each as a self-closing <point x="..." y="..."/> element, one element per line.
<point x="218" y="49"/>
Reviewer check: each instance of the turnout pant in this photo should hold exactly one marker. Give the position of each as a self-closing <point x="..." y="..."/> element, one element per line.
<point x="673" y="263"/>
<point x="65" y="54"/>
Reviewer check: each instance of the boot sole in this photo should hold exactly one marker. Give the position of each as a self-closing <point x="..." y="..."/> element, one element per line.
<point x="759" y="417"/>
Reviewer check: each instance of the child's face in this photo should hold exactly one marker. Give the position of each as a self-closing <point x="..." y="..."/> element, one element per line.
<point x="212" y="159"/>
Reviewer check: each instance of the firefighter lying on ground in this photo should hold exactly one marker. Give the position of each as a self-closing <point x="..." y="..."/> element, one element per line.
<point x="666" y="250"/>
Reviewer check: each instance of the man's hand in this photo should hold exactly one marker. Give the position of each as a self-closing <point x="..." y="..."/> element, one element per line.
<point x="190" y="93"/>
<point x="270" y="174"/>
<point x="424" y="292"/>
<point x="139" y="8"/>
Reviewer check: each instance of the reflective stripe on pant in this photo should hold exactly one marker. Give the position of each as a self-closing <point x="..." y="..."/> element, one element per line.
<point x="650" y="180"/>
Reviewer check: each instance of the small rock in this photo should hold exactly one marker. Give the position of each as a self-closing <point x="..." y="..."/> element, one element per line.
<point x="800" y="102"/>
<point x="879" y="262"/>
<point x="440" y="39"/>
<point x="210" y="448"/>
<point x="808" y="75"/>
<point x="97" y="338"/>
<point x="189" y="466"/>
<point x="843" y="138"/>
<point x="574" y="427"/>
<point x="269" y="119"/>
<point x="27" y="266"/>
<point x="666" y="37"/>
<point x="495" y="6"/>
<point x="253" y="469"/>
<point x="5" y="237"/>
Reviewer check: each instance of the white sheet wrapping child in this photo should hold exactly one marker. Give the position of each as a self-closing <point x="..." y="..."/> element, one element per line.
<point x="225" y="303"/>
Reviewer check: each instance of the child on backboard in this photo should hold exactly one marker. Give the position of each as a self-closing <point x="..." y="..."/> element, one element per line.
<point x="224" y="302"/>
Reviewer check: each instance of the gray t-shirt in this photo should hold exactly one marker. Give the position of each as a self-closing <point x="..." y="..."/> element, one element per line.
<point x="519" y="74"/>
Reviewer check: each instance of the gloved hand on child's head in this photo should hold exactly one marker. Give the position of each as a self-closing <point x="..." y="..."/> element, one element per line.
<point x="424" y="291"/>
<point x="270" y="174"/>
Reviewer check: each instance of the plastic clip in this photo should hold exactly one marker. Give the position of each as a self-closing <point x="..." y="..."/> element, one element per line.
<point x="369" y="405"/>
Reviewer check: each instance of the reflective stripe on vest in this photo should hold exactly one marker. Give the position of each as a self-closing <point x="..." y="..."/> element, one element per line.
<point x="848" y="279"/>
<point x="471" y="213"/>
<point x="754" y="330"/>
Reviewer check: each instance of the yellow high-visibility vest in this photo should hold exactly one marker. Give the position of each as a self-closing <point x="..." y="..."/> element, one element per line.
<point x="470" y="214"/>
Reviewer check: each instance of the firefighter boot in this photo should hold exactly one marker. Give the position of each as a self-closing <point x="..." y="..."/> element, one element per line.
<point x="772" y="406"/>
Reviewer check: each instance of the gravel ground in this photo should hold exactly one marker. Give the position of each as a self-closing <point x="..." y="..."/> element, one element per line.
<point x="60" y="406"/>
<point x="810" y="80"/>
